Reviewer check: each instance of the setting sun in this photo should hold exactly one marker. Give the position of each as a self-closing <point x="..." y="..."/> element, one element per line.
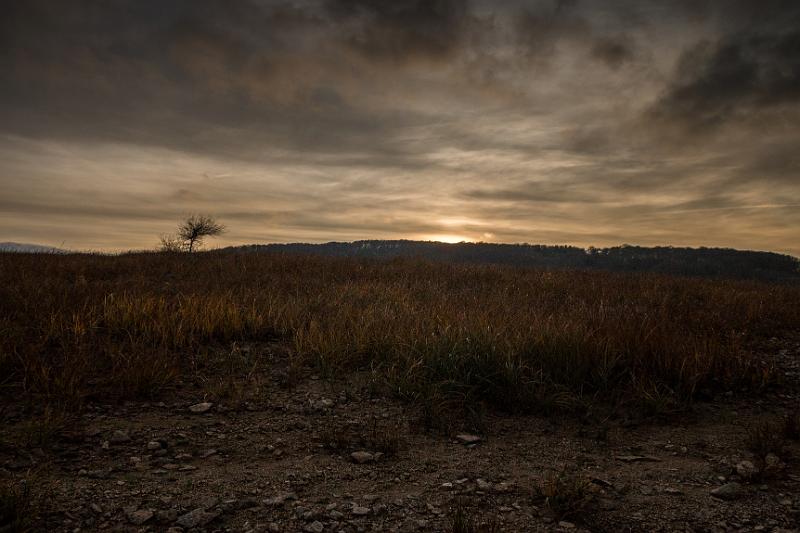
<point x="448" y="238"/>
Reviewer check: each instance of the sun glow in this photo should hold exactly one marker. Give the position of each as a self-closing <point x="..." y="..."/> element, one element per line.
<point x="448" y="238"/>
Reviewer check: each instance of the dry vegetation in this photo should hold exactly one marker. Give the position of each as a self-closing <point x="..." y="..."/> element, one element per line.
<point x="440" y="336"/>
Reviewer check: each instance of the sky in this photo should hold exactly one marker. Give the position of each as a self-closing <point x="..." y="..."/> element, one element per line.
<point x="544" y="121"/>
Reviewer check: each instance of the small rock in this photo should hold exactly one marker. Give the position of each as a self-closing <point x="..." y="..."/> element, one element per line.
<point x="137" y="518"/>
<point x="638" y="459"/>
<point x="483" y="484"/>
<point x="119" y="436"/>
<point x="153" y="445"/>
<point x="772" y="461"/>
<point x="280" y="499"/>
<point x="503" y="488"/>
<point x="360" y="511"/>
<point x="746" y="469"/>
<point x="566" y="525"/>
<point x="315" y="527"/>
<point x="167" y="516"/>
<point x="201" y="407"/>
<point x="197" y="518"/>
<point x="466" y="438"/>
<point x="729" y="491"/>
<point x="362" y="457"/>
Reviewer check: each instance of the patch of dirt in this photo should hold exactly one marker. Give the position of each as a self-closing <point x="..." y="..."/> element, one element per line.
<point x="282" y="460"/>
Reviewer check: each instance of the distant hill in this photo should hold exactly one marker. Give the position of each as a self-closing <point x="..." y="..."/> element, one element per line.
<point x="28" y="248"/>
<point x="706" y="262"/>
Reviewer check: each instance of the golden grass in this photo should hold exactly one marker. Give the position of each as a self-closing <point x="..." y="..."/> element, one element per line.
<point x="516" y="339"/>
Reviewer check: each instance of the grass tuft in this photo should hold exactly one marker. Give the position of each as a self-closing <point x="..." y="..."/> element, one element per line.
<point x="16" y="506"/>
<point x="766" y="437"/>
<point x="462" y="520"/>
<point x="791" y="426"/>
<point x="566" y="495"/>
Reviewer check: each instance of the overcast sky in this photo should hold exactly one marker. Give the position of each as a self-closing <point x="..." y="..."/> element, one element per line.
<point x="572" y="122"/>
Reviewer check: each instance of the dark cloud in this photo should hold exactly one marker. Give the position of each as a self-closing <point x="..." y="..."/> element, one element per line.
<point x="403" y="30"/>
<point x="542" y="26"/>
<point x="534" y="193"/>
<point x="614" y="51"/>
<point x="733" y="78"/>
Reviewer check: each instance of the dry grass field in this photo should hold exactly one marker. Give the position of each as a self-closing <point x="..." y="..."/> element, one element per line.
<point x="457" y="346"/>
<point x="125" y="327"/>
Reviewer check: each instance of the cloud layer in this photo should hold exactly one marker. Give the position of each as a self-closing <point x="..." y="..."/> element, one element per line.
<point x="541" y="121"/>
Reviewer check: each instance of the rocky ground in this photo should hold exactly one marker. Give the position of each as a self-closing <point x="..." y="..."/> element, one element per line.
<point x="326" y="455"/>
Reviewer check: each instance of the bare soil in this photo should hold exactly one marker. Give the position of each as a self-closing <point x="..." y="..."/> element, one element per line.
<point x="273" y="457"/>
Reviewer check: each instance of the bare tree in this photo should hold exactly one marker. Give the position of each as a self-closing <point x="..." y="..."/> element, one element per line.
<point x="196" y="228"/>
<point x="171" y="243"/>
<point x="191" y="233"/>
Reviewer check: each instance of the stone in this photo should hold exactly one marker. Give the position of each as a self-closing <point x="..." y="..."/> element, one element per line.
<point x="201" y="407"/>
<point x="315" y="527"/>
<point x="167" y="516"/>
<point x="566" y="525"/>
<point x="466" y="438"/>
<point x="362" y="457"/>
<point x="153" y="445"/>
<point x="503" y="488"/>
<point x="360" y="511"/>
<point x="483" y="484"/>
<point x="280" y="499"/>
<point x="196" y="518"/>
<point x="728" y="491"/>
<point x="638" y="459"/>
<point x="772" y="461"/>
<point x="137" y="518"/>
<point x="119" y="437"/>
<point x="746" y="469"/>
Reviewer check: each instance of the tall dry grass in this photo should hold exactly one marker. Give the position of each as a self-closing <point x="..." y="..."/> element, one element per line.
<point x="75" y="326"/>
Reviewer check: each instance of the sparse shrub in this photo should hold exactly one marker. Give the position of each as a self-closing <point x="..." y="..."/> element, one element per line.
<point x="764" y="438"/>
<point x="42" y="429"/>
<point x="791" y="426"/>
<point x="566" y="495"/>
<point x="337" y="439"/>
<point x="15" y="507"/>
<point x="462" y="520"/>
<point x="385" y="438"/>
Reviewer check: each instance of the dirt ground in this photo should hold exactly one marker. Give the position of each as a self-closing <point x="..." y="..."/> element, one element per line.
<point x="283" y="460"/>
